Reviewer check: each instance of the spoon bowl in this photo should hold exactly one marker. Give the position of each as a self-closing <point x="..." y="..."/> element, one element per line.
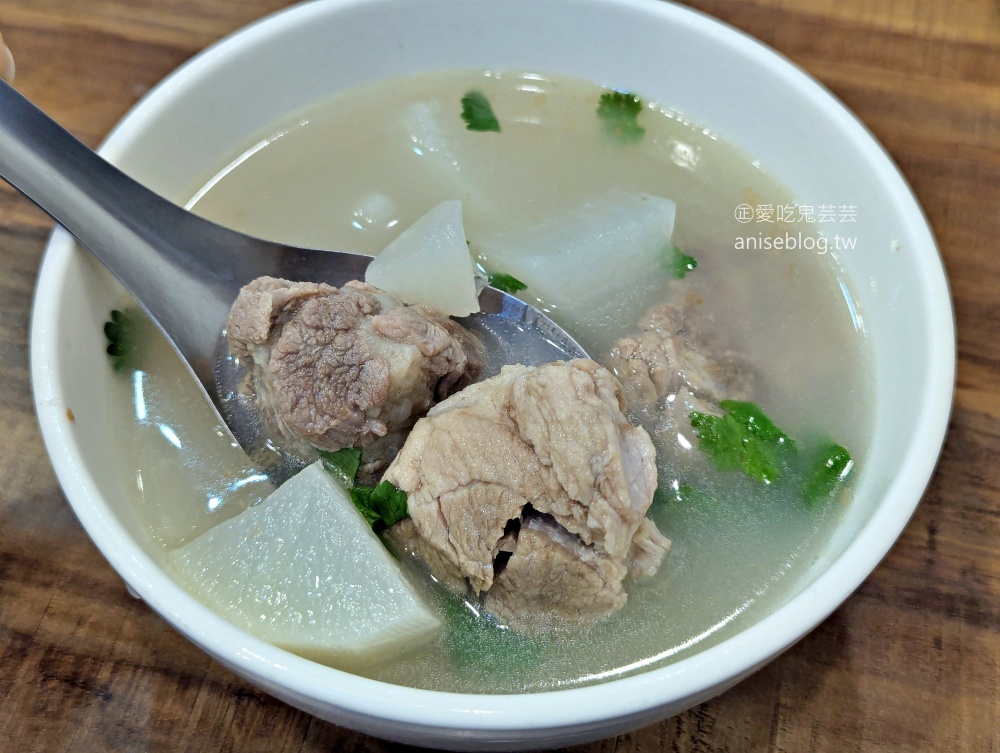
<point x="185" y="271"/>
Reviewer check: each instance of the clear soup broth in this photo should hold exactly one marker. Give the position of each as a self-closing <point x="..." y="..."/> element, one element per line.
<point x="353" y="171"/>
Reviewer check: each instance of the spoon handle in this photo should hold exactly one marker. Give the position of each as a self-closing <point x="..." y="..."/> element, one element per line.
<point x="184" y="270"/>
<point x="119" y="220"/>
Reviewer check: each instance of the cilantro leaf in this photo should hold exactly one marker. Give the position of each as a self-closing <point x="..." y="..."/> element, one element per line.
<point x="744" y="439"/>
<point x="480" y="643"/>
<point x="122" y="332"/>
<point x="756" y="422"/>
<point x="719" y="437"/>
<point x="477" y="113"/>
<point x="690" y="495"/>
<point x="506" y="283"/>
<point x="382" y="506"/>
<point x="680" y="263"/>
<point x="829" y="471"/>
<point x="662" y="497"/>
<point x="619" y="112"/>
<point x="360" y="501"/>
<point x="343" y="463"/>
<point x="685" y="494"/>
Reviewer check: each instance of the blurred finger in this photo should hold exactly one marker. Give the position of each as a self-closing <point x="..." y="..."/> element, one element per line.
<point x="6" y="62"/>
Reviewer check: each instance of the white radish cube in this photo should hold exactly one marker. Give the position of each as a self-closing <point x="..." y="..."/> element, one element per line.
<point x="429" y="263"/>
<point x="590" y="252"/>
<point x="304" y="571"/>
<point x="450" y="157"/>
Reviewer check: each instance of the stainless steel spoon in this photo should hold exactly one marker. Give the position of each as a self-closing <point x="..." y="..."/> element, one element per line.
<point x="186" y="271"/>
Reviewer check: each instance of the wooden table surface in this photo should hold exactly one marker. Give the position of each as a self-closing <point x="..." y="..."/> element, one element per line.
<point x="910" y="662"/>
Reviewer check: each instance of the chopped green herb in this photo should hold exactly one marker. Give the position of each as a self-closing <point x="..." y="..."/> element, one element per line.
<point x="506" y="283"/>
<point x="688" y="494"/>
<point x="477" y="113"/>
<point x="746" y="439"/>
<point x="829" y="471"/>
<point x="743" y="439"/>
<point x="661" y="497"/>
<point x="122" y="331"/>
<point x="382" y="506"/>
<point x="680" y="263"/>
<point x="481" y="644"/>
<point x="619" y="112"/>
<point x="343" y="464"/>
<point x="757" y="423"/>
<point x="685" y="494"/>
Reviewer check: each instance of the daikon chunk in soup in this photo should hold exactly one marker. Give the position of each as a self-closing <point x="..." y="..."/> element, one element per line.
<point x="729" y="381"/>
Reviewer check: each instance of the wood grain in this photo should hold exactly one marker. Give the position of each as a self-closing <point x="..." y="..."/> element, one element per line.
<point x="910" y="662"/>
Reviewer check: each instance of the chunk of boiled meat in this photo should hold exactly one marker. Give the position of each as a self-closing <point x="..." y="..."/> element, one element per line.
<point x="552" y="576"/>
<point x="336" y="368"/>
<point x="532" y="483"/>
<point x="669" y="354"/>
<point x="672" y="366"/>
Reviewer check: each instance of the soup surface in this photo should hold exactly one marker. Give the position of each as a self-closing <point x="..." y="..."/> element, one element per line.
<point x="352" y="172"/>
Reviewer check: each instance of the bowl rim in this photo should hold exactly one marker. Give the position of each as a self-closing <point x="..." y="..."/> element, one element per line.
<point x="689" y="678"/>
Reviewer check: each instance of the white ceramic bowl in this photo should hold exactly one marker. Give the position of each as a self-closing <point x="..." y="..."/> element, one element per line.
<point x="714" y="75"/>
